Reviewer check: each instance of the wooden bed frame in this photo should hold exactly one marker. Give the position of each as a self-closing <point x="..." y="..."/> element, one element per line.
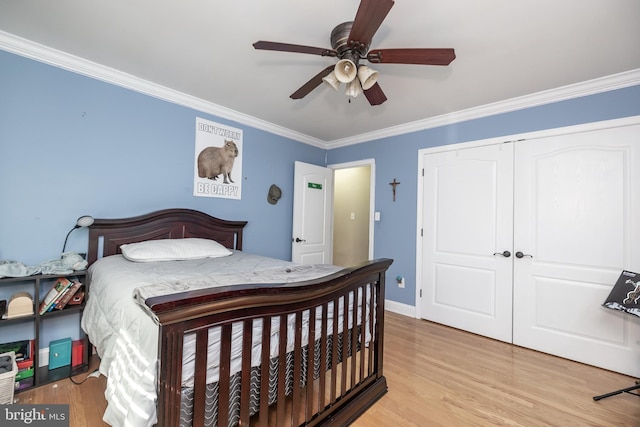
<point x="344" y="387"/>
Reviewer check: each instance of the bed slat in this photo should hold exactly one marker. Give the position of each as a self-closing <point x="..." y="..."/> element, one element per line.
<point x="200" y="381"/>
<point x="264" y="371"/>
<point x="354" y="336"/>
<point x="323" y="358"/>
<point x="345" y="345"/>
<point x="245" y="391"/>
<point x="334" y="351"/>
<point x="311" y="368"/>
<point x="282" y="350"/>
<point x="297" y="369"/>
<point x="225" y="370"/>
<point x="363" y="329"/>
<point x="372" y="332"/>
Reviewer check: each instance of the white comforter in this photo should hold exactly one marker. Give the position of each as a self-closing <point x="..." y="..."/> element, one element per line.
<point x="126" y="336"/>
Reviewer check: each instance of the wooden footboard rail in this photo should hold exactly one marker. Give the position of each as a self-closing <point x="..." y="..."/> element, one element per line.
<point x="330" y="329"/>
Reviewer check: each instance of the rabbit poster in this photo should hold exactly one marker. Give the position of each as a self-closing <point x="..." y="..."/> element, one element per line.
<point x="218" y="160"/>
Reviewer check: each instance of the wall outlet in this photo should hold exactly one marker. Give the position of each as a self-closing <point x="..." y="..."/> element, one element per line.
<point x="400" y="281"/>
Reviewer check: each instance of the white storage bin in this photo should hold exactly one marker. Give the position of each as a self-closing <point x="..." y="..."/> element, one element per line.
<point x="8" y="381"/>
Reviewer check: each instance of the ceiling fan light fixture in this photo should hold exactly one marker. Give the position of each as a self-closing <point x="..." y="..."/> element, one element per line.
<point x="351" y="41"/>
<point x="346" y="70"/>
<point x="367" y="76"/>
<point x="353" y="88"/>
<point x="332" y="80"/>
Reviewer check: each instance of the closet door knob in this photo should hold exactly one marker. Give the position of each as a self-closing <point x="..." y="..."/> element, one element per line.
<point x="505" y="254"/>
<point x="521" y="255"/>
<point x="298" y="240"/>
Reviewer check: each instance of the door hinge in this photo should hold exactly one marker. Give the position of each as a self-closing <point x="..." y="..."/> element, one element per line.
<point x="421" y="232"/>
<point x="420" y="293"/>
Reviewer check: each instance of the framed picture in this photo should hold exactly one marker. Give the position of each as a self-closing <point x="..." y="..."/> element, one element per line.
<point x="218" y="160"/>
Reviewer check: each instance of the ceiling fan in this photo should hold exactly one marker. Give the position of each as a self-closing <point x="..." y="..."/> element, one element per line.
<point x="350" y="41"/>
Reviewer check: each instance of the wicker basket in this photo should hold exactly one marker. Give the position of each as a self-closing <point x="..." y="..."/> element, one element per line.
<point x="8" y="381"/>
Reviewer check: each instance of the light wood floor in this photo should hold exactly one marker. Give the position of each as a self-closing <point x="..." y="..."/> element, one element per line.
<point x="439" y="376"/>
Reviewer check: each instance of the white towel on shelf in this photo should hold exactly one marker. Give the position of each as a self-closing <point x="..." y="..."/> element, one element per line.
<point x="66" y="264"/>
<point x="17" y="269"/>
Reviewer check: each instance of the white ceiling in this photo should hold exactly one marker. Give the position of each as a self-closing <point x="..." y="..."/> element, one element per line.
<point x="505" y="49"/>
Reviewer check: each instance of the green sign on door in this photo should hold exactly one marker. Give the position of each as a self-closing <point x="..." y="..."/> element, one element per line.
<point x="314" y="185"/>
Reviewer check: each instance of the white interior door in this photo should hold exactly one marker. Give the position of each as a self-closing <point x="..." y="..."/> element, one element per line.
<point x="312" y="214"/>
<point x="468" y="217"/>
<point x="577" y="210"/>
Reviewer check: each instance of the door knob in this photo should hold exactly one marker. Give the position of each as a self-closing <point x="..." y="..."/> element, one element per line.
<point x="298" y="240"/>
<point x="505" y="254"/>
<point x="521" y="255"/>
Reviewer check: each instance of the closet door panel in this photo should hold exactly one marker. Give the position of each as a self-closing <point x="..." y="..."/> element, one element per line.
<point x="468" y="212"/>
<point x="576" y="213"/>
<point x="555" y="316"/>
<point x="580" y="202"/>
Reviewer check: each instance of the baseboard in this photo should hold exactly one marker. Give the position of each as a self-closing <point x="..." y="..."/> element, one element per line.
<point x="400" y="308"/>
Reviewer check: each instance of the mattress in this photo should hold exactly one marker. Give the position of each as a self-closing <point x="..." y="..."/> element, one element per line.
<point x="125" y="333"/>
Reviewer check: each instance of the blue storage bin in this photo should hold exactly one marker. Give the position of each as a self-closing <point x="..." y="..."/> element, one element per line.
<point x="60" y="353"/>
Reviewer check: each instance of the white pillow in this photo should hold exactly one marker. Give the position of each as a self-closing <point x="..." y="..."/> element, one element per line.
<point x="173" y="250"/>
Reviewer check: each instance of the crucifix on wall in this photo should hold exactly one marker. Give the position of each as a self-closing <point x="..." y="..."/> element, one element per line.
<point x="394" y="184"/>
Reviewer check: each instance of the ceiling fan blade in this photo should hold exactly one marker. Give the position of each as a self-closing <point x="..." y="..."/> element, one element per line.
<point x="287" y="47"/>
<point x="368" y="19"/>
<point x="375" y="95"/>
<point x="315" y="81"/>
<point x="412" y="56"/>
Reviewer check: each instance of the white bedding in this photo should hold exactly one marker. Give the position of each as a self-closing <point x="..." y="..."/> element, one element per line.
<point x="126" y="336"/>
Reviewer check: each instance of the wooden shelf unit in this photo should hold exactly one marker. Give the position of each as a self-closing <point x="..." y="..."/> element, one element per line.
<point x="40" y="285"/>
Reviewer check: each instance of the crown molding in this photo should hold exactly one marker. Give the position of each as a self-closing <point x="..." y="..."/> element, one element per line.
<point x="577" y="90"/>
<point x="56" y="58"/>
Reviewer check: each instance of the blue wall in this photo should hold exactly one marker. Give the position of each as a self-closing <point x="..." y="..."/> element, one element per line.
<point x="72" y="145"/>
<point x="397" y="157"/>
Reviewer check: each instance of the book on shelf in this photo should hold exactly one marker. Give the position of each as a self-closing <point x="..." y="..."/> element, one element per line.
<point x="24" y="349"/>
<point x="24" y="364"/>
<point x="57" y="300"/>
<point x="24" y="383"/>
<point x="77" y="298"/>
<point x="58" y="288"/>
<point x="24" y="373"/>
<point x="68" y="294"/>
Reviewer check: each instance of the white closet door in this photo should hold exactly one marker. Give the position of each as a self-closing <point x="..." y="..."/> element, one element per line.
<point x="577" y="210"/>
<point x="467" y="217"/>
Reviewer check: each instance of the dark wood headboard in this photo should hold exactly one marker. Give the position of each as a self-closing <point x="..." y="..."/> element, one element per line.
<point x="110" y="234"/>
